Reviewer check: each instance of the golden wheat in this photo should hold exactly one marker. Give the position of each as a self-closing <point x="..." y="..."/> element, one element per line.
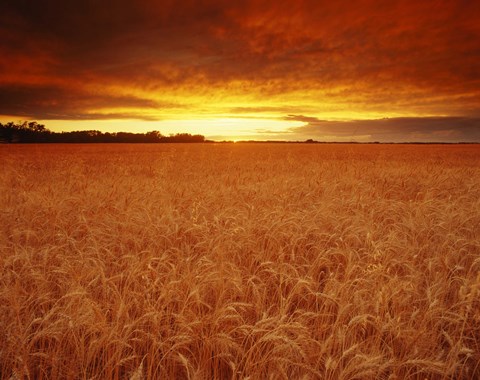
<point x="233" y="261"/>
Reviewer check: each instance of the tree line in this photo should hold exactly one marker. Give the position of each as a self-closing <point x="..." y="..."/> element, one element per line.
<point x="33" y="132"/>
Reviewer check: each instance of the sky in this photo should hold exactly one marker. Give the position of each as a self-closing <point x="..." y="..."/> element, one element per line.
<point x="267" y="70"/>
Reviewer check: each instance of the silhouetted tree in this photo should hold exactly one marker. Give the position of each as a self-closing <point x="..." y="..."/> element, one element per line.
<point x="33" y="132"/>
<point x="153" y="136"/>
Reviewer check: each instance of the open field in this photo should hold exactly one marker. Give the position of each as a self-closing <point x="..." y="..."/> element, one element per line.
<point x="234" y="261"/>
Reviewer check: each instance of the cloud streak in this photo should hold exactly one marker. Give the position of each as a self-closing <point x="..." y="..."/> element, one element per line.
<point x="54" y="102"/>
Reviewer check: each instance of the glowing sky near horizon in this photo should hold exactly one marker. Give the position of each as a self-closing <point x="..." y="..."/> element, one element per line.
<point x="328" y="70"/>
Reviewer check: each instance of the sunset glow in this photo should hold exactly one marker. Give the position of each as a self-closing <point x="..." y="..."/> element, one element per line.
<point x="255" y="69"/>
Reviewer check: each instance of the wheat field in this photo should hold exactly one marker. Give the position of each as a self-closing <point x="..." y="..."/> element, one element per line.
<point x="240" y="261"/>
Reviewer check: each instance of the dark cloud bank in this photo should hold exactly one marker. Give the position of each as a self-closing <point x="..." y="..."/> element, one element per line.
<point x="402" y="129"/>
